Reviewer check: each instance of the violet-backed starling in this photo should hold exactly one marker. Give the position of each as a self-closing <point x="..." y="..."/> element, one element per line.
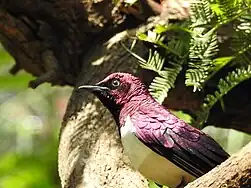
<point x="162" y="147"/>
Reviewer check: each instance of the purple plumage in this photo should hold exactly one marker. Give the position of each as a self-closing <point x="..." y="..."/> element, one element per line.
<point x="184" y="145"/>
<point x="156" y="127"/>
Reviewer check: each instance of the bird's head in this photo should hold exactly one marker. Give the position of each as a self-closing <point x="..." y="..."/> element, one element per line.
<point x="116" y="90"/>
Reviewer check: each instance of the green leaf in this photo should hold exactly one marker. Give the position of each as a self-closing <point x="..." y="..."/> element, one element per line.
<point x="155" y="62"/>
<point x="194" y="47"/>
<point x="161" y="84"/>
<point x="222" y="61"/>
<point x="151" y="37"/>
<point x="224" y="86"/>
<point x="142" y="36"/>
<point x="203" y="48"/>
<point x="216" y="9"/>
<point x="151" y="184"/>
<point x="5" y="58"/>
<point x="10" y="82"/>
<point x="201" y="13"/>
<point x="130" y="2"/>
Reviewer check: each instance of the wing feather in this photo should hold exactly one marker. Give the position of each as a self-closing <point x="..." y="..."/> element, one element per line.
<point x="187" y="147"/>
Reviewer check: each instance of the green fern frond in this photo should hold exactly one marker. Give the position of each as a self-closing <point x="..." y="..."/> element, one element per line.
<point x="155" y="62"/>
<point x="151" y="36"/>
<point x="161" y="84"/>
<point x="194" y="46"/>
<point x="175" y="49"/>
<point x="228" y="9"/>
<point x="201" y="13"/>
<point x="180" y="47"/>
<point x="157" y="40"/>
<point x="224" y="86"/>
<point x="202" y="50"/>
<point x="195" y="77"/>
<point x="241" y="42"/>
<point x="203" y="45"/>
<point x="243" y="3"/>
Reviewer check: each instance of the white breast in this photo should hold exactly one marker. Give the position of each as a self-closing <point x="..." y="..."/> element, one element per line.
<point x="148" y="163"/>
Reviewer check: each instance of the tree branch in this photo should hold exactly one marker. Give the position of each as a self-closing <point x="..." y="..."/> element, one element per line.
<point x="234" y="172"/>
<point x="90" y="152"/>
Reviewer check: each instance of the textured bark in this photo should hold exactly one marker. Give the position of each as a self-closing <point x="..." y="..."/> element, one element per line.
<point x="63" y="42"/>
<point x="234" y="172"/>
<point x="90" y="153"/>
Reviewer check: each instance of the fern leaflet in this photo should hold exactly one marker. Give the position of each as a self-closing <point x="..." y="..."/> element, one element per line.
<point x="224" y="86"/>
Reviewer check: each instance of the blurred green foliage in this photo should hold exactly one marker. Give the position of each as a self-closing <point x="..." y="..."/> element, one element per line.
<point x="29" y="126"/>
<point x="11" y="82"/>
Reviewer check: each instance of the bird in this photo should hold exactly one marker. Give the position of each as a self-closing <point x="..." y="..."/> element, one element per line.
<point x="162" y="147"/>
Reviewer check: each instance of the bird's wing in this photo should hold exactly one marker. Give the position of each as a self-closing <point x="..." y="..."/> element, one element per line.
<point x="185" y="146"/>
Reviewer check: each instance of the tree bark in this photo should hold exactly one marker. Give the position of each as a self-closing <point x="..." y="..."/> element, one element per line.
<point x="90" y="152"/>
<point x="234" y="172"/>
<point x="66" y="43"/>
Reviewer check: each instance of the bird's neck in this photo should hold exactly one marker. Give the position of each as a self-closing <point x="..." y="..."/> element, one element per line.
<point x="134" y="104"/>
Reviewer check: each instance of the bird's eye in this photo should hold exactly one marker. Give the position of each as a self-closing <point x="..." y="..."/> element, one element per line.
<point x="115" y="83"/>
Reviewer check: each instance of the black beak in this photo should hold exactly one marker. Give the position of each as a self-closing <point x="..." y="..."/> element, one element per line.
<point x="94" y="88"/>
